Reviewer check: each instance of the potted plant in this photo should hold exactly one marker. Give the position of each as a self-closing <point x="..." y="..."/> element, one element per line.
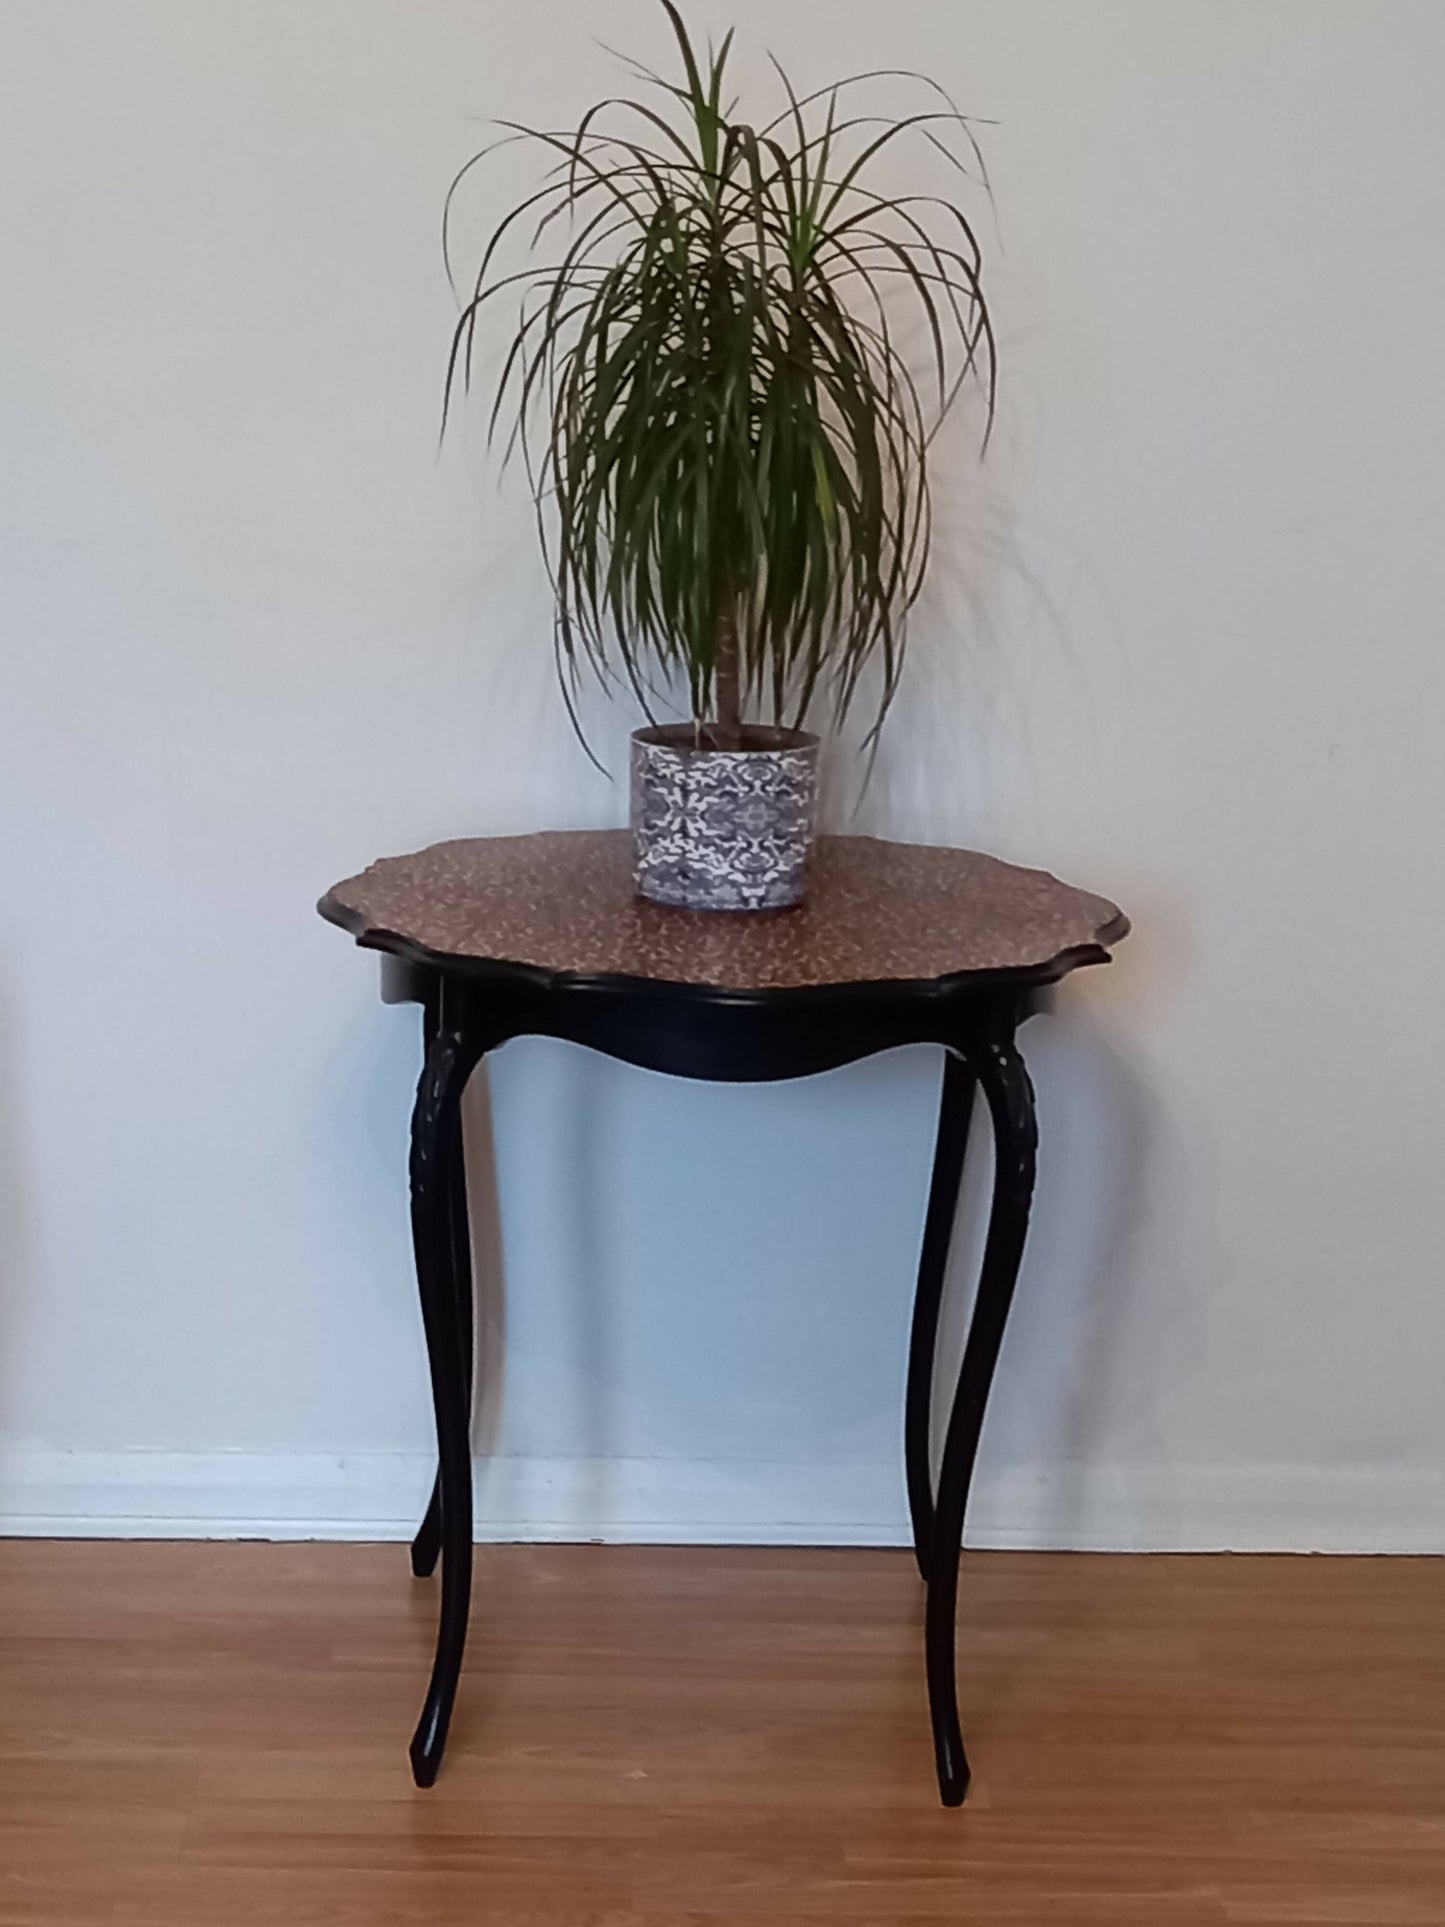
<point x="726" y="441"/>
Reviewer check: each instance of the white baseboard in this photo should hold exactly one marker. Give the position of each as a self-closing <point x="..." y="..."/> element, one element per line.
<point x="264" y="1495"/>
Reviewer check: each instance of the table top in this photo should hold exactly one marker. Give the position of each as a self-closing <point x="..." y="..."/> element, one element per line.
<point x="561" y="903"/>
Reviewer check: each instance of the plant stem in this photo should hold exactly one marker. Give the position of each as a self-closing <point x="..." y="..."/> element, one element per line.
<point x="727" y="683"/>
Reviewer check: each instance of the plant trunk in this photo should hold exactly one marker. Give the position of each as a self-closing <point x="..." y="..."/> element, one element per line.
<point x="727" y="684"/>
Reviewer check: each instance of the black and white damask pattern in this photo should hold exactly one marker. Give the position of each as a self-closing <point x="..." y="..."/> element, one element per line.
<point x="722" y="829"/>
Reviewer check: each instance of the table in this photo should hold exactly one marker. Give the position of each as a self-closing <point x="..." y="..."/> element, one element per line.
<point x="895" y="944"/>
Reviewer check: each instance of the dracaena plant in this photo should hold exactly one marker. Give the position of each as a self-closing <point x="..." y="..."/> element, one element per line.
<point x="707" y="379"/>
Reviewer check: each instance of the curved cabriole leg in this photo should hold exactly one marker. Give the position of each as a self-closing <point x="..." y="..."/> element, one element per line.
<point x="435" y="1136"/>
<point x="1010" y="1097"/>
<point x="426" y="1546"/>
<point x="954" y="1111"/>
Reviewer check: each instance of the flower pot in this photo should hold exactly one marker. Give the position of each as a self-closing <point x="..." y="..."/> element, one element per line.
<point x="723" y="829"/>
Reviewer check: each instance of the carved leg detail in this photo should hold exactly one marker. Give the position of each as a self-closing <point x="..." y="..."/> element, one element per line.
<point x="954" y="1112"/>
<point x="1010" y="1097"/>
<point x="435" y="1150"/>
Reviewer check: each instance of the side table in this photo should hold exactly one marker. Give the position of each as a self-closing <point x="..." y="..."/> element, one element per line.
<point x="896" y="944"/>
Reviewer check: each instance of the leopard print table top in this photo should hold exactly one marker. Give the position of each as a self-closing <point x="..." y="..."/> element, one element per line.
<point x="563" y="902"/>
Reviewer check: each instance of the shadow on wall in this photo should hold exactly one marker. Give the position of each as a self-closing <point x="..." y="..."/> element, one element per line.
<point x="489" y="1292"/>
<point x="1098" y="1328"/>
<point x="15" y="1226"/>
<point x="998" y="710"/>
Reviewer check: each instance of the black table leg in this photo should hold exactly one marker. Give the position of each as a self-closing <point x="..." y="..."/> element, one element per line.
<point x="427" y="1545"/>
<point x="1006" y="1087"/>
<point x="954" y="1112"/>
<point x="435" y="1150"/>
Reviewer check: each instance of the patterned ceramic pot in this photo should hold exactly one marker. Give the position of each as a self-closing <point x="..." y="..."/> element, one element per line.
<point x="723" y="829"/>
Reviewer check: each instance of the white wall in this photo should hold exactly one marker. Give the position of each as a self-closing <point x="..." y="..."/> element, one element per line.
<point x="1183" y="646"/>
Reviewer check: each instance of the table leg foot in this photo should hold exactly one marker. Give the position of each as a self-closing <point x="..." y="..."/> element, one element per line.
<point x="953" y="1776"/>
<point x="1006" y="1087"/>
<point x="435" y="1161"/>
<point x="425" y="1753"/>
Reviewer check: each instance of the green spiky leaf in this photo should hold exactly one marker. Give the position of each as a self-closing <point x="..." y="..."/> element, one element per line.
<point x="728" y="447"/>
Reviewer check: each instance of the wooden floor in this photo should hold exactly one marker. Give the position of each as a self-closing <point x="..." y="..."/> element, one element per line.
<point x="194" y="1736"/>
